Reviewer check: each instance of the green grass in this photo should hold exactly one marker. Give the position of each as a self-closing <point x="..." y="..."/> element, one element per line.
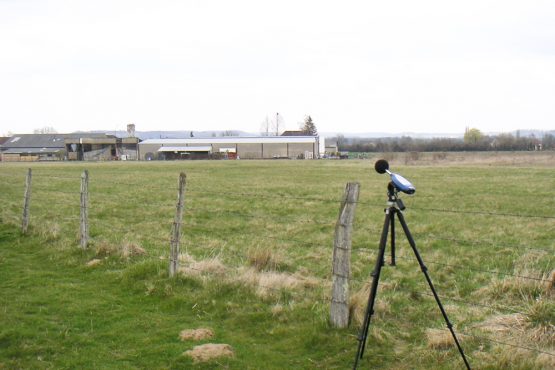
<point x="470" y="222"/>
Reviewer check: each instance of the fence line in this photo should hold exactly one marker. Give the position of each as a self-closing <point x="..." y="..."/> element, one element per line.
<point x="195" y="228"/>
<point x="328" y="200"/>
<point x="482" y="305"/>
<point x="303" y="242"/>
<point x="552" y="354"/>
<point x="490" y="244"/>
<point x="192" y="211"/>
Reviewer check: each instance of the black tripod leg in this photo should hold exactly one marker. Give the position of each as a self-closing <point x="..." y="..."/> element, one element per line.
<point x="392" y="215"/>
<point x="429" y="280"/>
<point x="373" y="290"/>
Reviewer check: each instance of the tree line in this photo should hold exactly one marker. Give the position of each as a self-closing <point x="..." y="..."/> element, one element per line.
<point x="473" y="140"/>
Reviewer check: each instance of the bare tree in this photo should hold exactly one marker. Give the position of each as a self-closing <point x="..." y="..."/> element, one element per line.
<point x="228" y="133"/>
<point x="265" y="127"/>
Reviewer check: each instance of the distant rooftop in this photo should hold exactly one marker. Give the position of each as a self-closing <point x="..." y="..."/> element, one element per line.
<point x="293" y="133"/>
<point x="234" y="140"/>
<point x="44" y="140"/>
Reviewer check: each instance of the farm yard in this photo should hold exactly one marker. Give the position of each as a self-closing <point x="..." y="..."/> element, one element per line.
<point x="256" y="265"/>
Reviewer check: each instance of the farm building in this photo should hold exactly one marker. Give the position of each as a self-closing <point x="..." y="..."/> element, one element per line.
<point x="101" y="148"/>
<point x="267" y="147"/>
<point x="55" y="147"/>
<point x="33" y="147"/>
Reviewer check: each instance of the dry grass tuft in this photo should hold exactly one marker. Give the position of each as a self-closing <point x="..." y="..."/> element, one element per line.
<point x="263" y="259"/>
<point x="541" y="321"/>
<point x="130" y="249"/>
<point x="196" y="334"/>
<point x="359" y="301"/>
<point x="186" y="258"/>
<point x="536" y="326"/>
<point x="504" y="323"/>
<point x="209" y="351"/>
<point x="212" y="267"/>
<point x="550" y="283"/>
<point x="545" y="361"/>
<point x="50" y="231"/>
<point x="267" y="283"/>
<point x="94" y="262"/>
<point x="104" y="249"/>
<point x="440" y="339"/>
<point x="125" y="251"/>
<point x="513" y="287"/>
<point x="277" y="309"/>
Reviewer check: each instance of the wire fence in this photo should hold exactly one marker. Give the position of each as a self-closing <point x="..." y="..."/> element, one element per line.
<point x="194" y="225"/>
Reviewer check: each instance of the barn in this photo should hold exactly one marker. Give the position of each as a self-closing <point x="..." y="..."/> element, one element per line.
<point x="232" y="147"/>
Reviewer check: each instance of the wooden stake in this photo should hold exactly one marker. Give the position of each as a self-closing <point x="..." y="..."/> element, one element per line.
<point x="341" y="269"/>
<point x="84" y="220"/>
<point x="26" y="203"/>
<point x="176" y="227"/>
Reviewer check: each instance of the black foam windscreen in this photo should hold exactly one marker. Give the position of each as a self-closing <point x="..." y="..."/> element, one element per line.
<point x="381" y="166"/>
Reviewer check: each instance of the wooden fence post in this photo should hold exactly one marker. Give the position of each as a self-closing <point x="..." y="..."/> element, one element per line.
<point x="26" y="203"/>
<point x="84" y="220"/>
<point x="339" y="310"/>
<point x="176" y="227"/>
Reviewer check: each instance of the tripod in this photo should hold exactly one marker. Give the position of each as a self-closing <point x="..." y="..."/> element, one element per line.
<point x="395" y="207"/>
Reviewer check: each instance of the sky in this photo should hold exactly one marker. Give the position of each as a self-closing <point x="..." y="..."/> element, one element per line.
<point x="353" y="66"/>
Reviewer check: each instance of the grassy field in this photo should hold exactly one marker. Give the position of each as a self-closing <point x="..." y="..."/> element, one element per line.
<point x="256" y="265"/>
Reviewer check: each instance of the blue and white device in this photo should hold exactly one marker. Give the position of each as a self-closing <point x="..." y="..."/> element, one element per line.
<point x="399" y="182"/>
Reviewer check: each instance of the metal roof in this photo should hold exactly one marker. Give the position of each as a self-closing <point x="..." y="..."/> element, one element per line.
<point x="44" y="140"/>
<point x="185" y="149"/>
<point x="234" y="140"/>
<point x="32" y="150"/>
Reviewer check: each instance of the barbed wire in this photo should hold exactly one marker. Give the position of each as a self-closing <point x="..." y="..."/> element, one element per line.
<point x="483" y="213"/>
<point x="194" y="211"/>
<point x="476" y="269"/>
<point x="481" y="243"/>
<point x="484" y="271"/>
<point x="508" y="344"/>
<point x="283" y="239"/>
<point x="475" y="304"/>
<point x="38" y="175"/>
<point x="328" y="200"/>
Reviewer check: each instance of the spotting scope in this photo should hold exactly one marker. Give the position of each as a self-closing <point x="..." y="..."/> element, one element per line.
<point x="398" y="181"/>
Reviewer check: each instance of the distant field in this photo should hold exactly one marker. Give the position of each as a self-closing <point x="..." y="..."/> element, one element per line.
<point x="256" y="256"/>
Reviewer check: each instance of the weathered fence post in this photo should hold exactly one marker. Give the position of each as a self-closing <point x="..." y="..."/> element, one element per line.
<point x="84" y="220"/>
<point x="176" y="227"/>
<point x="26" y="203"/>
<point x="339" y="310"/>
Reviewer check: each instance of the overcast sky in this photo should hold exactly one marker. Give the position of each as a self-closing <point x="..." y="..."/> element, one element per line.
<point x="354" y="66"/>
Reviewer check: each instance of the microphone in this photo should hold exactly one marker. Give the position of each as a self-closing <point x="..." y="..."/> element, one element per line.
<point x="381" y="166"/>
<point x="398" y="181"/>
